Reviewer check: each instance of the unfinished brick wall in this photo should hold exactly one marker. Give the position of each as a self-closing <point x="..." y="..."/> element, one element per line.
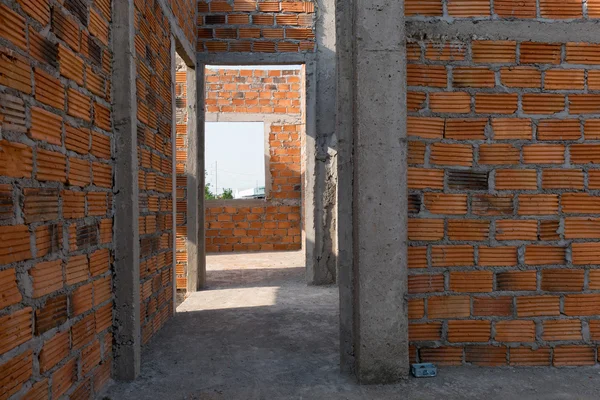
<point x="256" y="26"/>
<point x="503" y="179"/>
<point x="185" y="13"/>
<point x="56" y="173"/>
<point x="253" y="91"/>
<point x="155" y="151"/>
<point x="274" y="224"/>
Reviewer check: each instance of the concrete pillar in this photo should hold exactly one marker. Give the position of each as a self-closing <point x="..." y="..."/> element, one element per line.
<point x="196" y="250"/>
<point x="127" y="333"/>
<point x="372" y="192"/>
<point x="320" y="204"/>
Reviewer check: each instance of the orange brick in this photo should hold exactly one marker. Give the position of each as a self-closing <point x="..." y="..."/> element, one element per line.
<point x="478" y="77"/>
<point x="585" y="254"/>
<point x="564" y="79"/>
<point x="468" y="8"/>
<point x="14" y="373"/>
<point x="562" y="329"/>
<point x="516" y="280"/>
<point x="417" y="257"/>
<point x="425" y="229"/>
<point x="505" y="256"/>
<point x="584" y="103"/>
<point x="420" y="178"/>
<point x="580" y="203"/>
<point x="566" y="129"/>
<point x="464" y="129"/>
<point x="416" y="308"/>
<point x="442" y="355"/>
<point x="438" y="203"/>
<point x="486" y="355"/>
<point x="583" y="53"/>
<point x="496" y="103"/>
<point x="543" y="103"/>
<point x="448" y="307"/>
<point x="15" y="329"/>
<point x="450" y="102"/>
<point x="54" y="351"/>
<point x="425" y="283"/>
<point x="430" y="128"/>
<point x="525" y="356"/>
<point x="516" y="230"/>
<point x="492" y="306"/>
<point x="471" y="282"/>
<point x="463" y="229"/>
<point x="515" y="331"/>
<point x="538" y="204"/>
<point x="569" y="9"/>
<point x="424" y="331"/>
<point x="521" y="77"/>
<point x="469" y="331"/>
<point x="540" y="53"/>
<point x="426" y="75"/>
<point x="452" y="256"/>
<point x="45" y="126"/>
<point x="574" y="355"/>
<point x="585" y="153"/>
<point x="451" y="154"/>
<point x="544" y="154"/>
<point x="494" y="51"/>
<point x="563" y="179"/>
<point x="561" y="280"/>
<point x="536" y="306"/>
<point x="64" y="378"/>
<point x="511" y="179"/>
<point x="429" y="8"/>
<point x="47" y="277"/>
<point x="51" y="166"/>
<point x="515" y="8"/>
<point x="582" y="228"/>
<point x="445" y="51"/>
<point x="492" y="205"/>
<point x="498" y="154"/>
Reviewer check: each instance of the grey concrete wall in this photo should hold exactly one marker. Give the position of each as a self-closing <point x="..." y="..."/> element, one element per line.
<point x="127" y="333"/>
<point x="372" y="169"/>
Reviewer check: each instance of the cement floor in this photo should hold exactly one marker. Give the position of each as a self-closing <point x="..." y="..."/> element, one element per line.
<point x="259" y="332"/>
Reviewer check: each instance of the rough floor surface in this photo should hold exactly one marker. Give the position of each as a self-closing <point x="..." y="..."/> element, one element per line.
<point x="259" y="332"/>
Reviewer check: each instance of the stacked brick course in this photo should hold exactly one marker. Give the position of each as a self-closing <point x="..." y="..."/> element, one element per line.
<point x="253" y="91"/>
<point x="155" y="151"/>
<point x="55" y="198"/>
<point x="256" y="26"/>
<point x="503" y="201"/>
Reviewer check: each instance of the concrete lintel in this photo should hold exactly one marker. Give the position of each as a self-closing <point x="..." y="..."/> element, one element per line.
<point x="127" y="332"/>
<point x="268" y="119"/>
<point x="196" y="248"/>
<point x="537" y="31"/>
<point x="373" y="120"/>
<point x="254" y="58"/>
<point x="184" y="47"/>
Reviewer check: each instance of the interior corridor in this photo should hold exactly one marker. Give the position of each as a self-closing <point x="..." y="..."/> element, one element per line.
<point x="259" y="332"/>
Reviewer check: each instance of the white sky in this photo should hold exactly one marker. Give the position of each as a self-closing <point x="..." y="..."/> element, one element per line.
<point x="237" y="150"/>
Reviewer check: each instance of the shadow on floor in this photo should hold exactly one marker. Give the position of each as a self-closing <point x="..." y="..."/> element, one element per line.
<point x="276" y="338"/>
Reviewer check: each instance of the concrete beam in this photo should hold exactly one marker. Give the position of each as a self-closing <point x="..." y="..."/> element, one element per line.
<point x="196" y="247"/>
<point x="373" y="166"/>
<point x="127" y="331"/>
<point x="185" y="49"/>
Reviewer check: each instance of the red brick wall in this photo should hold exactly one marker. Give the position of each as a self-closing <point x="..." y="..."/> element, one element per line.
<point x="503" y="175"/>
<point x="253" y="91"/>
<point x="185" y="13"/>
<point x="155" y="153"/>
<point x="256" y="26"/>
<point x="56" y="199"/>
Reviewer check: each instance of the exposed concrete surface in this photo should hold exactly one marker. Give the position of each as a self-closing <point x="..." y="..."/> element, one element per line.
<point x="260" y="333"/>
<point x="373" y="173"/>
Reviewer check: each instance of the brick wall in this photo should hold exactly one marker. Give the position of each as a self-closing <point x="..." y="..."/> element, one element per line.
<point x="55" y="198"/>
<point x="256" y="26"/>
<point x="503" y="181"/>
<point x="185" y="13"/>
<point x="253" y="91"/>
<point x="155" y="114"/>
<point x="274" y="224"/>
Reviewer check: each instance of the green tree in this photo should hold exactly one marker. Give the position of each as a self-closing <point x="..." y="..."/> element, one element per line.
<point x="227" y="194"/>
<point x="208" y="194"/>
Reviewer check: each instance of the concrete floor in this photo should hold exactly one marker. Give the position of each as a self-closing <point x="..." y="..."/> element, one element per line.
<point x="259" y="332"/>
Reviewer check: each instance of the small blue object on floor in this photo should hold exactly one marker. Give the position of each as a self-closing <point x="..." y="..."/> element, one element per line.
<point x="425" y="370"/>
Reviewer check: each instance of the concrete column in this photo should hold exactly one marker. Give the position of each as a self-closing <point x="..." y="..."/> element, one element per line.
<point x="372" y="189"/>
<point x="320" y="204"/>
<point x="127" y="332"/>
<point x="196" y="250"/>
